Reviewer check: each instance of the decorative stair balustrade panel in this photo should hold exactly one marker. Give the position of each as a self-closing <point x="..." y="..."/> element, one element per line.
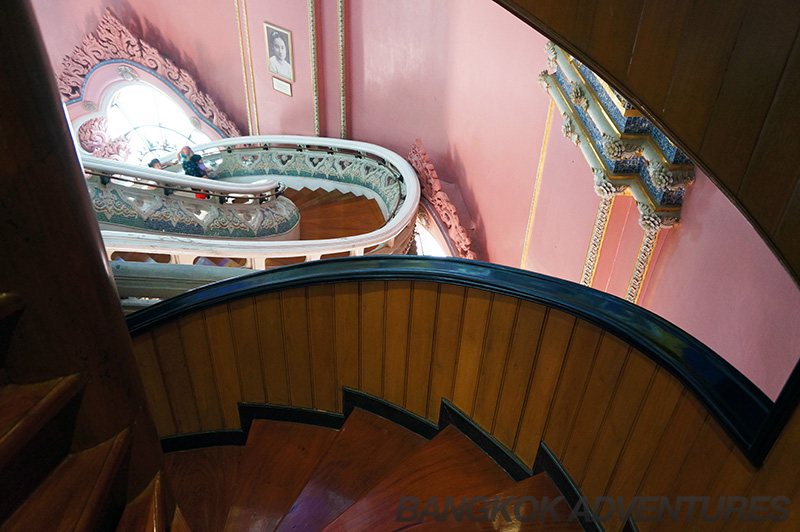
<point x="628" y="155"/>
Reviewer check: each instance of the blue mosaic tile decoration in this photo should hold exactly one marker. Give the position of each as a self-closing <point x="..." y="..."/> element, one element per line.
<point x="636" y="165"/>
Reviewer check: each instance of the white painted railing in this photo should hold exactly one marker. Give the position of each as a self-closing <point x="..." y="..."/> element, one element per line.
<point x="390" y="238"/>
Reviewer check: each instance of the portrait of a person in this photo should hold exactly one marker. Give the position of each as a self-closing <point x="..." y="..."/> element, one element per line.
<point x="280" y="54"/>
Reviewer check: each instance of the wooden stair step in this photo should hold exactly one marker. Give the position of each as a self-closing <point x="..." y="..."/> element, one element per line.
<point x="366" y="449"/>
<point x="179" y="523"/>
<point x="26" y="408"/>
<point x="540" y="487"/>
<point x="146" y="512"/>
<point x="449" y="465"/>
<point x="203" y="482"/>
<point x="278" y="461"/>
<point x="76" y="496"/>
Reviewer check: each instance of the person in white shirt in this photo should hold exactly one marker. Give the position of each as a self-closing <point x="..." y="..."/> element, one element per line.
<point x="278" y="54"/>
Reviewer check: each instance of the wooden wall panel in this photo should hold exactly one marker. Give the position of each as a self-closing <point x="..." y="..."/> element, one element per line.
<point x="323" y="349"/>
<point x="424" y="303"/>
<point x="398" y="303"/>
<point x="348" y="358"/>
<point x="637" y="377"/>
<point x="170" y="353"/>
<point x="657" y="409"/>
<point x="373" y="319"/>
<point x="553" y="348"/>
<point x="220" y="343"/>
<point x="746" y="95"/>
<point x="611" y="358"/>
<point x="568" y="17"/>
<point x="514" y="387"/>
<point x="470" y="348"/>
<point x="495" y="357"/>
<point x="248" y="351"/>
<point x="772" y="173"/>
<point x="153" y="384"/>
<point x="614" y="34"/>
<point x="700" y="65"/>
<point x="445" y="347"/>
<point x="296" y="343"/>
<point x="656" y="50"/>
<point x="571" y="385"/>
<point x="201" y="371"/>
<point x="271" y="333"/>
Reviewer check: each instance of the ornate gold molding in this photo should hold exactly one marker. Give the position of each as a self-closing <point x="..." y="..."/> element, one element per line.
<point x="342" y="74"/>
<point x="244" y="69"/>
<point x="596" y="243"/>
<point x="312" y="37"/>
<point x="642" y="262"/>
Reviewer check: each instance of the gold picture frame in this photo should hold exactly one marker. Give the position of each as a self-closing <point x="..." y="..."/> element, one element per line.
<point x="279" y="41"/>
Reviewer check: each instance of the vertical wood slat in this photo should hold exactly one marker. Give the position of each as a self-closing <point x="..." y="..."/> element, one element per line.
<point x="445" y="347"/>
<point x="220" y="343"/>
<point x="494" y="359"/>
<point x="571" y="385"/>
<point x="558" y="330"/>
<point x="273" y="353"/>
<point x="611" y="358"/>
<point x="623" y="412"/>
<point x="201" y="371"/>
<point x="153" y="384"/>
<point x="373" y="308"/>
<point x="398" y="302"/>
<point x="247" y="349"/>
<point x="346" y="313"/>
<point x="657" y="43"/>
<point x="772" y="173"/>
<point x="657" y="408"/>
<point x="527" y="331"/>
<point x="296" y="343"/>
<point x="424" y="300"/>
<point x="170" y="354"/>
<point x="614" y="35"/>
<point x="672" y="450"/>
<point x="470" y="348"/>
<point x="745" y="97"/>
<point x="323" y="347"/>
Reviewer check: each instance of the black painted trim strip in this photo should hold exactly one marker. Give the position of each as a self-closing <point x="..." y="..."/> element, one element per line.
<point x="353" y="398"/>
<point x="735" y="402"/>
<point x="290" y="414"/>
<point x="547" y="462"/>
<point x="449" y="414"/>
<point x="199" y="440"/>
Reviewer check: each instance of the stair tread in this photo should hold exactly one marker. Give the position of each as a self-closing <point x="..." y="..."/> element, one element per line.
<point x="179" y="523"/>
<point x="539" y="487"/>
<point x="72" y="497"/>
<point x="366" y="448"/>
<point x="278" y="460"/>
<point x="203" y="481"/>
<point x="449" y="465"/>
<point x="145" y="512"/>
<point x="26" y="408"/>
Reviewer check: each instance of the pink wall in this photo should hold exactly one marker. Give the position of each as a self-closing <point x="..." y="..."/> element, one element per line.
<point x="565" y="210"/>
<point x="716" y="279"/>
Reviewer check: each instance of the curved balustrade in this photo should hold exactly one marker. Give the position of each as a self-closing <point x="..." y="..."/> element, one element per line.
<point x="629" y="403"/>
<point x="347" y="165"/>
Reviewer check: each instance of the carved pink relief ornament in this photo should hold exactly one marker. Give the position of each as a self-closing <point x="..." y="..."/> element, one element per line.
<point x="113" y="41"/>
<point x="433" y="193"/>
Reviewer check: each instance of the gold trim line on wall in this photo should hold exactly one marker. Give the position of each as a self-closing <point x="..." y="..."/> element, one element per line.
<point x="312" y="37"/>
<point x="342" y="74"/>
<point x="244" y="69"/>
<point x="250" y="61"/>
<point x="534" y="200"/>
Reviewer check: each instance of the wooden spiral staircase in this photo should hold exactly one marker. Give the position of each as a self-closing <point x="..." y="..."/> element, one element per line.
<point x="288" y="477"/>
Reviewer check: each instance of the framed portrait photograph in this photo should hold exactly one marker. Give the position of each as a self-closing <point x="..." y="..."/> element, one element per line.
<point x="279" y="51"/>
